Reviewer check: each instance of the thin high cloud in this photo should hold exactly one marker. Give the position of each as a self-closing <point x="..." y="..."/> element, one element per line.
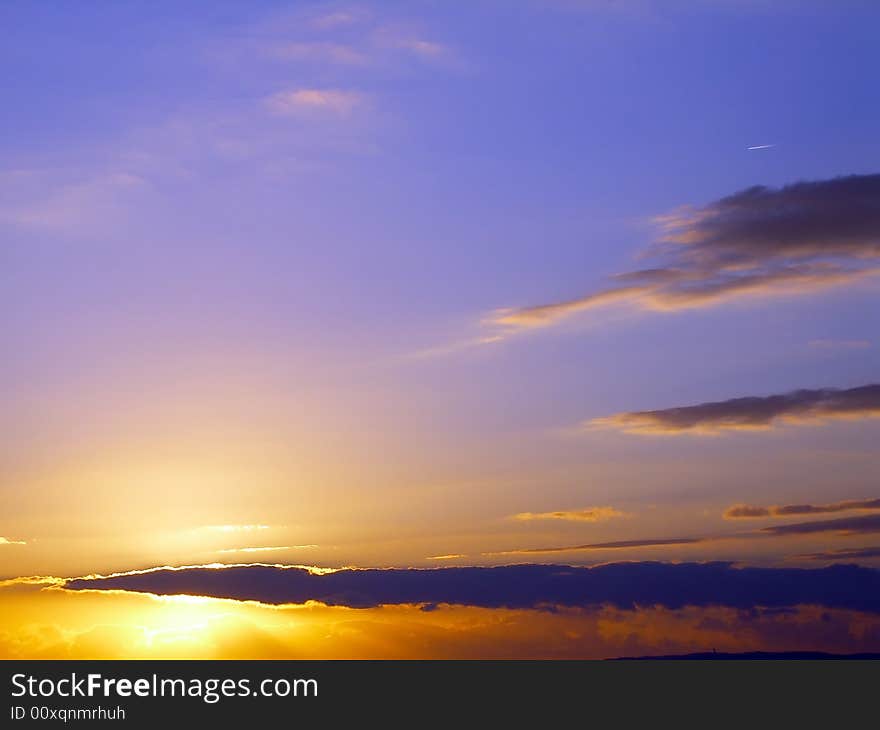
<point x="846" y="526"/>
<point x="750" y="413"/>
<point x="267" y="549"/>
<point x="336" y="102"/>
<point x="798" y="239"/>
<point x="750" y="511"/>
<point x="373" y="52"/>
<point x="7" y="541"/>
<point x="399" y="40"/>
<point x="828" y="344"/>
<point x="338" y="19"/>
<point x="867" y="525"/>
<point x="843" y="554"/>
<point x="320" y="52"/>
<point x="352" y="38"/>
<point x="334" y="59"/>
<point x="75" y="195"/>
<point x="623" y="585"/>
<point x="616" y="545"/>
<point x="71" y="205"/>
<point x="588" y="514"/>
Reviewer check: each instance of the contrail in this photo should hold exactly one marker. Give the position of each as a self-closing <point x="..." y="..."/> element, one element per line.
<point x="761" y="147"/>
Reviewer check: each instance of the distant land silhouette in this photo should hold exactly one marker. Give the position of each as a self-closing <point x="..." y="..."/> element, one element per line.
<point x="752" y="655"/>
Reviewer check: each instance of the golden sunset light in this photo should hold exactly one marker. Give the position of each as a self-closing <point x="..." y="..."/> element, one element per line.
<point x="543" y="329"/>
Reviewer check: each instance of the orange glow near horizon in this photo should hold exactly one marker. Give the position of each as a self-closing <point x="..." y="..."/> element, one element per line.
<point x="41" y="620"/>
<point x="439" y="286"/>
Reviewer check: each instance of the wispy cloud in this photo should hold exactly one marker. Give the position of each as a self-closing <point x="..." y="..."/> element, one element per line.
<point x="615" y="545"/>
<point x="338" y="18"/>
<point x="6" y="541"/>
<point x="587" y="514"/>
<point x="421" y="47"/>
<point x="113" y="185"/>
<point x="98" y="200"/>
<point x="408" y="42"/>
<point x="749" y="511"/>
<point x="798" y="239"/>
<point x="347" y="38"/>
<point x="267" y="549"/>
<point x="451" y="556"/>
<point x="750" y="413"/>
<point x="337" y="102"/>
<point x="453" y="347"/>
<point x="843" y="554"/>
<point x="840" y="344"/>
<point x="321" y="52"/>
<point x="846" y="526"/>
<point x="869" y="524"/>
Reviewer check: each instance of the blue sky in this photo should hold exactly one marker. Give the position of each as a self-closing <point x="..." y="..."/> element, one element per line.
<point x="251" y="249"/>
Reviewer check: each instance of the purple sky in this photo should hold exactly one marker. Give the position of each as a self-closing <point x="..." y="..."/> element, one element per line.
<point x="274" y="264"/>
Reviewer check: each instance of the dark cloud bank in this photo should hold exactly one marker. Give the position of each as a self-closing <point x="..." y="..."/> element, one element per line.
<point x="796" y="239"/>
<point x="752" y="412"/>
<point x="624" y="585"/>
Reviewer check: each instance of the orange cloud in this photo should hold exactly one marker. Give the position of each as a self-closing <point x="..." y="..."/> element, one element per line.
<point x="748" y="511"/>
<point x="588" y="514"/>
<point x="38" y="621"/>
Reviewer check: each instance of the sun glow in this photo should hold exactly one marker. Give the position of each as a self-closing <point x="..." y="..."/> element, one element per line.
<point x="43" y="620"/>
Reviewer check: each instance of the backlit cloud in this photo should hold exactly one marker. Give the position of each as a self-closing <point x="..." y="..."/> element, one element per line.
<point x="588" y="514"/>
<point x="6" y="541"/>
<point x="624" y="585"/>
<point x="761" y="241"/>
<point x="749" y="511"/>
<point x="40" y="622"/>
<point x="749" y="413"/>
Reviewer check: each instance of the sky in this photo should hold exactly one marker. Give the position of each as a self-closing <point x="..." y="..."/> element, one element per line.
<point x="425" y="285"/>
